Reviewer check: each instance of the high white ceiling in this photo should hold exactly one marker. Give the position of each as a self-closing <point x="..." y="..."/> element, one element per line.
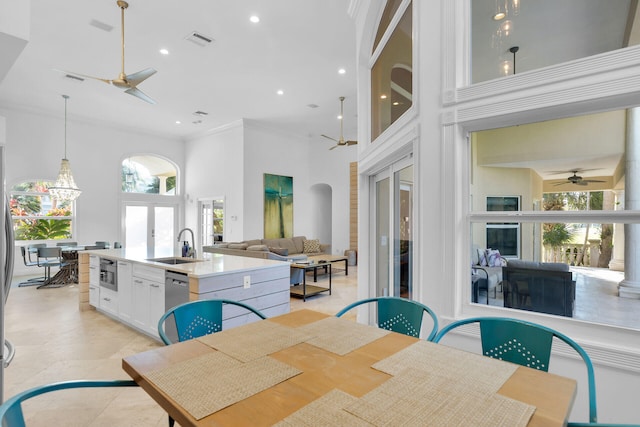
<point x="298" y="47"/>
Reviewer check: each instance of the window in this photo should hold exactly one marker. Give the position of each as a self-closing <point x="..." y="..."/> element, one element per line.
<point x="571" y="210"/>
<point x="38" y="216"/>
<point x="392" y="76"/>
<point x="504" y="236"/>
<point x="571" y="30"/>
<point x="148" y="174"/>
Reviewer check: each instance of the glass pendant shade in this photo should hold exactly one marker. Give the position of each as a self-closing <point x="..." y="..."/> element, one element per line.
<point x="65" y="187"/>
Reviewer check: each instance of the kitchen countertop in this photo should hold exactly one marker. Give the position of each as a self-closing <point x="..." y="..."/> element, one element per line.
<point x="206" y="265"/>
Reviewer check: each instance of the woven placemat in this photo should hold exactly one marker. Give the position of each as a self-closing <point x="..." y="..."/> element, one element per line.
<point x="417" y="398"/>
<point x="340" y="336"/>
<point x="325" y="411"/>
<point x="205" y="384"/>
<point x="254" y="340"/>
<point x="482" y="373"/>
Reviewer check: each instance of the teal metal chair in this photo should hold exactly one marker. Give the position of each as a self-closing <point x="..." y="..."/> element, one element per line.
<point x="399" y="315"/>
<point x="524" y="343"/>
<point x="11" y="414"/>
<point x="197" y="318"/>
<point x="601" y="425"/>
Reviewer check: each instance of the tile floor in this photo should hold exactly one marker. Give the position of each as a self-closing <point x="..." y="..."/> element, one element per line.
<point x="56" y="342"/>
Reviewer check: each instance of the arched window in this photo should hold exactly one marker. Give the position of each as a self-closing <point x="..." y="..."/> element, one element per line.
<point x="38" y="216"/>
<point x="148" y="174"/>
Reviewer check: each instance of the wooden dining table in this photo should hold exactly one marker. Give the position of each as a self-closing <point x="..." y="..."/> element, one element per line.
<point x="312" y="367"/>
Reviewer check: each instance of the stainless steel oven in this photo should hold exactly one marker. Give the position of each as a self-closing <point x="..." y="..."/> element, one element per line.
<point x="109" y="274"/>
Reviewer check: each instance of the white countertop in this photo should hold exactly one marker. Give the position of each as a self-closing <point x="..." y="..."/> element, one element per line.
<point x="206" y="265"/>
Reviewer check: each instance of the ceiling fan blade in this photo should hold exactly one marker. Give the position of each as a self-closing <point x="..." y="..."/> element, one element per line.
<point x="328" y="137"/>
<point x="140" y="94"/>
<point x="592" y="180"/>
<point x="351" y="142"/>
<point x="136" y="78"/>
<point x="574" y="171"/>
<point x="332" y="147"/>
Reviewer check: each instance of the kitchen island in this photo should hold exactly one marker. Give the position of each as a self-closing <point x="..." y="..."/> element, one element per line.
<point x="136" y="290"/>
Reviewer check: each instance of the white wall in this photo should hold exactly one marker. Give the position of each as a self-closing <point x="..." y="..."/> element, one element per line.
<point x="35" y="146"/>
<point x="231" y="162"/>
<point x="216" y="169"/>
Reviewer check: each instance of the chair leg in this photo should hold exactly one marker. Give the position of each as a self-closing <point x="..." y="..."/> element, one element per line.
<point x="171" y="421"/>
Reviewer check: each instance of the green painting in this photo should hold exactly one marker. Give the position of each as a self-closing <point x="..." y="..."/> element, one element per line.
<point x="278" y="206"/>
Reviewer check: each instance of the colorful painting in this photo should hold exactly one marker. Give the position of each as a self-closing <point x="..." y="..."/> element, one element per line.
<point x="278" y="206"/>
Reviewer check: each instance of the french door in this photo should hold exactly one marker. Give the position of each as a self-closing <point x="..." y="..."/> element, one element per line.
<point x="211" y="221"/>
<point x="393" y="210"/>
<point x="150" y="228"/>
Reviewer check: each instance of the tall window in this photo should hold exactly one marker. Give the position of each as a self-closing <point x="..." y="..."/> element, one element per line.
<point x="148" y="174"/>
<point x="38" y="216"/>
<point x="392" y="72"/>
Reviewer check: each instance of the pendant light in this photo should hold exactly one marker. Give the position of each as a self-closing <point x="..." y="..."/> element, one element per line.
<point x="65" y="188"/>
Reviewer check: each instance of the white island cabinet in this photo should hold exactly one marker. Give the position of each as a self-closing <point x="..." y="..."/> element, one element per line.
<point x="140" y="299"/>
<point x="125" y="291"/>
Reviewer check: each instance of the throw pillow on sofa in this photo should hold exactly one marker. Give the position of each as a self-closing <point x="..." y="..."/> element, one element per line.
<point x="494" y="259"/>
<point x="238" y="246"/>
<point x="311" y="246"/>
<point x="262" y="248"/>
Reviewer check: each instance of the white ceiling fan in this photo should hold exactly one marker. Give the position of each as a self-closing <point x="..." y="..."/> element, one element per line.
<point x="128" y="82"/>
<point x="340" y="141"/>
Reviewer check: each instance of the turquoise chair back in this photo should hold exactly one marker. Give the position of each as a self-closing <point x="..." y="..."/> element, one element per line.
<point x="11" y="414"/>
<point x="526" y="344"/>
<point x="399" y="315"/>
<point x="198" y="318"/>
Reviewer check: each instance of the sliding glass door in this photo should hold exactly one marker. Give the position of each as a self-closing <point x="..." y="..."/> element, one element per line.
<point x="393" y="209"/>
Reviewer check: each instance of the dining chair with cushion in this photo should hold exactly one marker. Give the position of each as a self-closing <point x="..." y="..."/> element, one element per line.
<point x="26" y="258"/>
<point x="524" y="343"/>
<point x="11" y="414"/>
<point x="399" y="315"/>
<point x="198" y="318"/>
<point x="49" y="257"/>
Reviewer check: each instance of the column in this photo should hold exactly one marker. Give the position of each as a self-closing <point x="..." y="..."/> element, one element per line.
<point x="630" y="286"/>
<point x="617" y="260"/>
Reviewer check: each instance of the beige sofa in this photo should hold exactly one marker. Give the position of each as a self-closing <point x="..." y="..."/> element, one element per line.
<point x="288" y="248"/>
<point x="285" y="249"/>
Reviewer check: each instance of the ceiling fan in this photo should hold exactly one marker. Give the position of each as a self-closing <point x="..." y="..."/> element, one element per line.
<point x="578" y="180"/>
<point x="129" y="82"/>
<point x="340" y="141"/>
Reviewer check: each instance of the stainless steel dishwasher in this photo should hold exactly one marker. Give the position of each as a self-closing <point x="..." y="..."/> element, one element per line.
<point x="176" y="292"/>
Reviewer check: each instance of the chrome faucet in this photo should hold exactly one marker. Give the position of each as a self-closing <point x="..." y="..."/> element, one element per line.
<point x="192" y="250"/>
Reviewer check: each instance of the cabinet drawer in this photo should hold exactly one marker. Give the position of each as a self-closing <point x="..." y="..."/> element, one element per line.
<point x="109" y="301"/>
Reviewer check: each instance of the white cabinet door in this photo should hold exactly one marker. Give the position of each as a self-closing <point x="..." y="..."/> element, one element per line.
<point x="156" y="305"/>
<point x="140" y="302"/>
<point x="109" y="301"/>
<point x="125" y="291"/>
<point x="94" y="280"/>
<point x="94" y="295"/>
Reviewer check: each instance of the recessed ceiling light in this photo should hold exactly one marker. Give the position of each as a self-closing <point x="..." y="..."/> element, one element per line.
<point x="254" y="18"/>
<point x="396" y="103"/>
<point x="342" y="71"/>
<point x="164" y="51"/>
<point x="280" y="92"/>
<point x="383" y="96"/>
<point x="499" y="16"/>
<point x="178" y="122"/>
<point x="339" y="117"/>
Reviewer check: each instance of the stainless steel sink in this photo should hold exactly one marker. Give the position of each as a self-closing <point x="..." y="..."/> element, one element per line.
<point x="174" y="260"/>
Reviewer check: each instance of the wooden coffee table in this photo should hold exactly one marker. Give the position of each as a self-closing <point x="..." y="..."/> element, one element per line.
<point x="331" y="259"/>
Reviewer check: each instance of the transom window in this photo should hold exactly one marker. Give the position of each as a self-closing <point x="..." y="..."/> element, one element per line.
<point x="38" y="216"/>
<point x="148" y="174"/>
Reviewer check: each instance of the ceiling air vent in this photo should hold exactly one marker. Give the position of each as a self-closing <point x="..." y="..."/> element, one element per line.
<point x="200" y="113"/>
<point x="312" y="105"/>
<point x="73" y="78"/>
<point x="199" y="38"/>
<point x="101" y="25"/>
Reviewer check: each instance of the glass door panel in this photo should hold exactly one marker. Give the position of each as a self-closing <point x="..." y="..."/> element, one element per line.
<point x="403" y="248"/>
<point x="382" y="236"/>
<point x="164" y="231"/>
<point x="136" y="232"/>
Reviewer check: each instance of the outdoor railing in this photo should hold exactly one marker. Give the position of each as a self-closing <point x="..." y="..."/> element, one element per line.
<point x="570" y="254"/>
